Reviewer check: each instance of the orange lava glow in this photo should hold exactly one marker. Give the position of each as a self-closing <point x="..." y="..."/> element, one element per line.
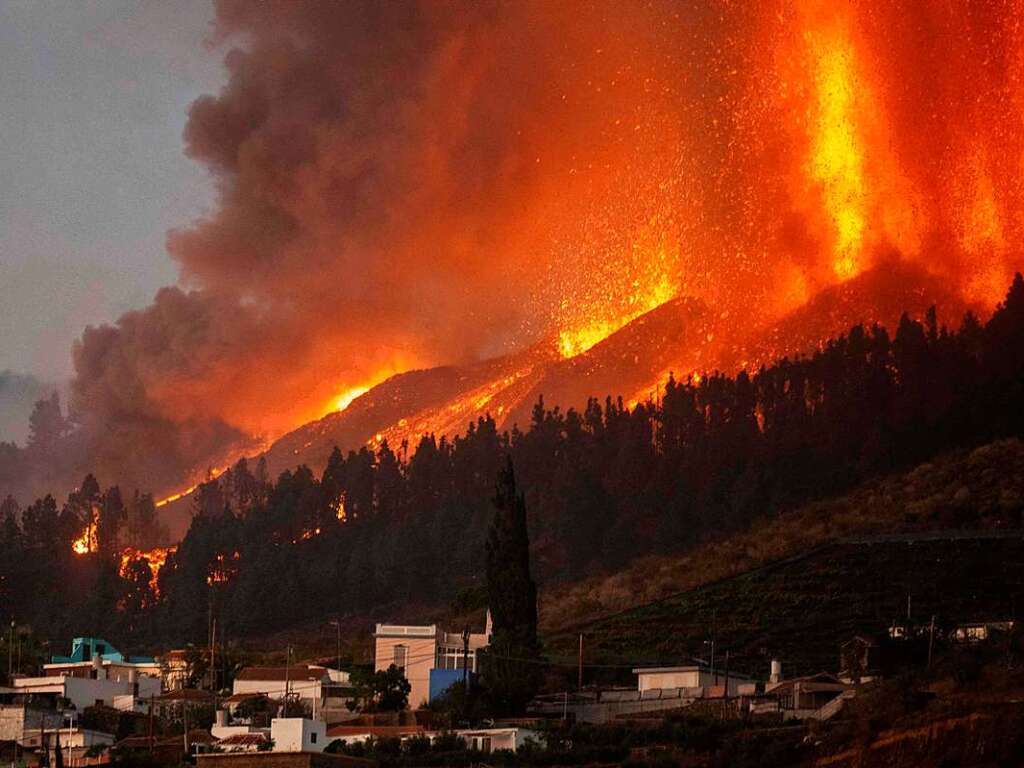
<point x="346" y="397"/>
<point x="212" y="475"/>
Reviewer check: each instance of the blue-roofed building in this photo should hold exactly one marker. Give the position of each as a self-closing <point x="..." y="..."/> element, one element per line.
<point x="83" y="649"/>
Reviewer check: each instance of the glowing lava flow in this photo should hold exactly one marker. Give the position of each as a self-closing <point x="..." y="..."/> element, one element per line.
<point x="214" y="474"/>
<point x="345" y="398"/>
<point x="837" y="158"/>
<point x="576" y="341"/>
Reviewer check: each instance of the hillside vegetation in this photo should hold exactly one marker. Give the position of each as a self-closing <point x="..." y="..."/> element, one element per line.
<point x="983" y="487"/>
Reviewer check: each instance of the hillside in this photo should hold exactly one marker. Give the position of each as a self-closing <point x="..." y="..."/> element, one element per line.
<point x="979" y="487"/>
<point x="795" y="587"/>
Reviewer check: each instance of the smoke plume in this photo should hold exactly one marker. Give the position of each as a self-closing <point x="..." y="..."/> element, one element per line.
<point x="403" y="184"/>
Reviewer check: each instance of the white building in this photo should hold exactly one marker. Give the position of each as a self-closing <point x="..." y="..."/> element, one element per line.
<point x="493" y="739"/>
<point x="298" y="734"/>
<point x="689" y="678"/>
<point x="85" y="692"/>
<point x="430" y="658"/>
<point x="313" y="686"/>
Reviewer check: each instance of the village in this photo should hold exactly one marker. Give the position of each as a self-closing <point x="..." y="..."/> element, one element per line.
<point x="99" y="706"/>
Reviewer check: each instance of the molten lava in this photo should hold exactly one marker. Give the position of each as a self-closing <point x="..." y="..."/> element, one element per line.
<point x="837" y="161"/>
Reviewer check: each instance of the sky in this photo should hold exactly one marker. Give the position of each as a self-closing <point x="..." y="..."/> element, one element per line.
<point x="95" y="97"/>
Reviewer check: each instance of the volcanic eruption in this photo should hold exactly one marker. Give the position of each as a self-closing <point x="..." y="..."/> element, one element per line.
<point x="426" y="212"/>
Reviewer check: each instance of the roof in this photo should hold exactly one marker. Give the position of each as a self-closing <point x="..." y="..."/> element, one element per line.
<point x="235" y="698"/>
<point x="406" y="630"/>
<point x="298" y="672"/>
<point x="196" y="736"/>
<point x="274" y="758"/>
<point x="690" y="668"/>
<point x="83" y="648"/>
<point x="823" y="681"/>
<point x="253" y="739"/>
<point x="339" y="731"/>
<point x="186" y="694"/>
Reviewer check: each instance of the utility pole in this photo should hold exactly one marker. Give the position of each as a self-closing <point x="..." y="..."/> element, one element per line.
<point x="579" y="677"/>
<point x="931" y="639"/>
<point x="213" y="658"/>
<point x="287" y="677"/>
<point x="725" y="693"/>
<point x="151" y="724"/>
<point x="10" y="652"/>
<point x="337" y="625"/>
<point x="465" y="673"/>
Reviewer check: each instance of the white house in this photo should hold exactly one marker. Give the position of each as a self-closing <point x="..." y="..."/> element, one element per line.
<point x="430" y="658"/>
<point x="308" y="684"/>
<point x="689" y="678"/>
<point x="85" y="692"/>
<point x="493" y="739"/>
<point x="298" y="734"/>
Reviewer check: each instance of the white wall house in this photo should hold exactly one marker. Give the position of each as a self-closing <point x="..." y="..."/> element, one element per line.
<point x="85" y="692"/>
<point x="416" y="650"/>
<point x="309" y="684"/>
<point x="687" y="678"/>
<point x="493" y="739"/>
<point x="298" y="734"/>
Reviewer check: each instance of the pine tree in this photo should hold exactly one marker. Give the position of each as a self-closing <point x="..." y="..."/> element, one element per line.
<point x="511" y="669"/>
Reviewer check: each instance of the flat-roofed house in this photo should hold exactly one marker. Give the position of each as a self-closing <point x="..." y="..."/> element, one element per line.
<point x="690" y="678"/>
<point x="430" y="658"/>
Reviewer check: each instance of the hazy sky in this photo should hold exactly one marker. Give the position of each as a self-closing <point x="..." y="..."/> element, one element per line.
<point x="94" y="98"/>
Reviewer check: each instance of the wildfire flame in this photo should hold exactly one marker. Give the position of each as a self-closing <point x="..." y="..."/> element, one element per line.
<point x="223" y="568"/>
<point x="88" y="541"/>
<point x="155" y="558"/>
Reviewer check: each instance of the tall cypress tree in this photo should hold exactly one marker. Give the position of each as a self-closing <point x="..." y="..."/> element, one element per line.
<point x="511" y="665"/>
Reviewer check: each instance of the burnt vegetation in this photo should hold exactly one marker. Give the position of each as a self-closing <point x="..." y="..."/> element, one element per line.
<point x="381" y="527"/>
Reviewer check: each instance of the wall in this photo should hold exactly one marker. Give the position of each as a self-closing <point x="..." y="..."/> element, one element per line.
<point x="304" y="689"/>
<point x="687" y="679"/>
<point x="421" y="654"/>
<point x="16" y="719"/>
<point x="297" y="734"/>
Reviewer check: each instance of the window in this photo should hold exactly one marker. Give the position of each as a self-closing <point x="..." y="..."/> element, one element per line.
<point x="401" y="656"/>
<point x="312" y="738"/>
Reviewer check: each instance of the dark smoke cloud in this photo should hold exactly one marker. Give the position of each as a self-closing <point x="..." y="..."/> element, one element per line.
<point x="387" y="174"/>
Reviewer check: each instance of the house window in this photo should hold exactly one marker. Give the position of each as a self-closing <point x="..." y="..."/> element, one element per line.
<point x="401" y="656"/>
<point x="312" y="738"/>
